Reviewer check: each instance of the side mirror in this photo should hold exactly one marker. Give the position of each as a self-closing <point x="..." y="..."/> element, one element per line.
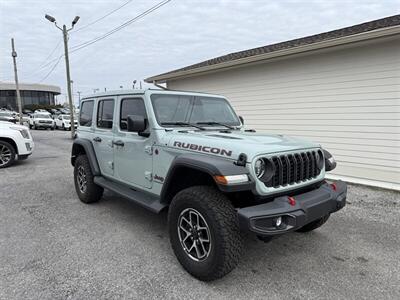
<point x="241" y="119"/>
<point x="136" y="123"/>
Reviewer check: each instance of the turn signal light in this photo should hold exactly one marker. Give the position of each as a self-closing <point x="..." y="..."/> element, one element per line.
<point x="231" y="179"/>
<point x="334" y="187"/>
<point x="291" y="201"/>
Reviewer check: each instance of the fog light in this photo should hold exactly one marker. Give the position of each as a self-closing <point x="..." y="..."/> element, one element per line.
<point x="278" y="221"/>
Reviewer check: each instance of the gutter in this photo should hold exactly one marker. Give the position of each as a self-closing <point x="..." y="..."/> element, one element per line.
<point x="383" y="32"/>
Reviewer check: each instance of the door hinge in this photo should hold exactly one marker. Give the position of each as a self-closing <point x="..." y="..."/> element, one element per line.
<point x="148" y="149"/>
<point x="148" y="175"/>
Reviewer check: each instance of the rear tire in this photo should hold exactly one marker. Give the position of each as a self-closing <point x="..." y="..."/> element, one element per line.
<point x="213" y="218"/>
<point x="314" y="224"/>
<point x="87" y="190"/>
<point x="7" y="154"/>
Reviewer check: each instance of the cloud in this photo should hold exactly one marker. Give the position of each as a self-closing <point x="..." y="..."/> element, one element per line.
<point x="178" y="34"/>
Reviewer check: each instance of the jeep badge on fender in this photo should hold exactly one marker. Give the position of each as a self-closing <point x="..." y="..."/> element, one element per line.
<point x="189" y="153"/>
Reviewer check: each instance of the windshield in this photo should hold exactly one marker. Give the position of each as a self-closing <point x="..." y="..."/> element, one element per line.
<point x="5" y="114"/>
<point x="42" y="116"/>
<point x="193" y="109"/>
<point x="66" y="117"/>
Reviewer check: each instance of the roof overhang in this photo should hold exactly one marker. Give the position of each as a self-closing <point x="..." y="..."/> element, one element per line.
<point x="31" y="87"/>
<point x="346" y="40"/>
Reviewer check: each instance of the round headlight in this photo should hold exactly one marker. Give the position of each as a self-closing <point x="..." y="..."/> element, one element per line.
<point x="259" y="168"/>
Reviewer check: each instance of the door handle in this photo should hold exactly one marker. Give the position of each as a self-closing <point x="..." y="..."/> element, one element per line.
<point x="118" y="143"/>
<point x="97" y="139"/>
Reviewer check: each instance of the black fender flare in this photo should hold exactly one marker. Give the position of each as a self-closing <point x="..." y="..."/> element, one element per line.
<point x="211" y="166"/>
<point x="87" y="146"/>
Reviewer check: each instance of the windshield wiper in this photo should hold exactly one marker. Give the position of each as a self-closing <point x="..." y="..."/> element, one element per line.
<point x="216" y="123"/>
<point x="183" y="124"/>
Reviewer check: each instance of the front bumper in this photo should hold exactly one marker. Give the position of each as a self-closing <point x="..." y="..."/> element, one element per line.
<point x="44" y="125"/>
<point x="306" y="207"/>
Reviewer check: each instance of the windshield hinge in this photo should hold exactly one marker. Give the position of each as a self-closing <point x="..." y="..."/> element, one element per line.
<point x="148" y="149"/>
<point x="148" y="175"/>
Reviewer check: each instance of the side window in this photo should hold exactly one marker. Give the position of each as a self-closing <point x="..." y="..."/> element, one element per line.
<point x="86" y="113"/>
<point x="105" y="113"/>
<point x="131" y="106"/>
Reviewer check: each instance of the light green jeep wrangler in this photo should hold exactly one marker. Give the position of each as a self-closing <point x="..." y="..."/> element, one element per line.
<point x="189" y="153"/>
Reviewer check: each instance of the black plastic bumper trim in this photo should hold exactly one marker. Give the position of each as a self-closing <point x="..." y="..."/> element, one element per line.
<point x="309" y="206"/>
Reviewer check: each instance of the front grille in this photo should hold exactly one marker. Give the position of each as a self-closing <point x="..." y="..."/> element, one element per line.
<point x="45" y="122"/>
<point x="294" y="168"/>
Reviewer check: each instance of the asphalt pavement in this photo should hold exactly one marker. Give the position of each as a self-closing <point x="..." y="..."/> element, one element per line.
<point x="52" y="246"/>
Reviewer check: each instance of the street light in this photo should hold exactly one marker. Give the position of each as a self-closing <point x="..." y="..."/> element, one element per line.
<point x="69" y="81"/>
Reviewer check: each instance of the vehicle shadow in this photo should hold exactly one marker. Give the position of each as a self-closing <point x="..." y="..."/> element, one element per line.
<point x="260" y="259"/>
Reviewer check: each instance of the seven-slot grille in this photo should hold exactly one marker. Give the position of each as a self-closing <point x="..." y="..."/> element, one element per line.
<point x="295" y="168"/>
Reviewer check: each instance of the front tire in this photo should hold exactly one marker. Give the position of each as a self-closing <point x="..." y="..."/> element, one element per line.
<point x="204" y="232"/>
<point x="7" y="154"/>
<point x="314" y="224"/>
<point x="87" y="190"/>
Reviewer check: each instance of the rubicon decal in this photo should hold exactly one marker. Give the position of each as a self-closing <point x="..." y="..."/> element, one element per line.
<point x="201" y="148"/>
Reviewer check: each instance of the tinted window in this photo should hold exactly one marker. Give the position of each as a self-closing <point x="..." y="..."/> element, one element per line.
<point x="131" y="106"/>
<point x="193" y="109"/>
<point x="86" y="113"/>
<point x="105" y="113"/>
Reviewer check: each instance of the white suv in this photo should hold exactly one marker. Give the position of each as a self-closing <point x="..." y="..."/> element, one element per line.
<point x="15" y="143"/>
<point x="64" y="122"/>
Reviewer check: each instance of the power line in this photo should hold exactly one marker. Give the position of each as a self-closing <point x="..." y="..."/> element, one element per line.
<point x="103" y="17"/>
<point x="120" y="27"/>
<point x="51" y="70"/>
<point x="51" y="53"/>
<point x="88" y="43"/>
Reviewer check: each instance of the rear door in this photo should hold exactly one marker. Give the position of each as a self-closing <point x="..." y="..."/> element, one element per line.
<point x="103" y="135"/>
<point x="133" y="160"/>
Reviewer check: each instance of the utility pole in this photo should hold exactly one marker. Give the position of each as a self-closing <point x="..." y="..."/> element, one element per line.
<point x="65" y="36"/>
<point x="19" y="103"/>
<point x="79" y="98"/>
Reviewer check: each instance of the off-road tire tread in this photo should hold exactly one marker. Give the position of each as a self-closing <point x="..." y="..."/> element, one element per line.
<point x="218" y="207"/>
<point x="93" y="191"/>
<point x="314" y="224"/>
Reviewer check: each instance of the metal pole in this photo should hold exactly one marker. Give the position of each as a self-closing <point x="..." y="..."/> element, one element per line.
<point x="79" y="98"/>
<point x="71" y="106"/>
<point x="19" y="103"/>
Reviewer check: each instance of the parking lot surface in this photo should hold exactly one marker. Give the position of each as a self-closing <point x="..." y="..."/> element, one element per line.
<point x="55" y="247"/>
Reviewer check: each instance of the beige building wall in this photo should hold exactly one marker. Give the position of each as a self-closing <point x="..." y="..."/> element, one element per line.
<point x="346" y="99"/>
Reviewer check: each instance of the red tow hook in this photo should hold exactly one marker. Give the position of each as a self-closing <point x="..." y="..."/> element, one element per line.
<point x="291" y="201"/>
<point x="333" y="186"/>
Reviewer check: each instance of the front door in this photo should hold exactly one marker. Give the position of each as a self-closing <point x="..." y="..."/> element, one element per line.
<point x="103" y="136"/>
<point x="133" y="155"/>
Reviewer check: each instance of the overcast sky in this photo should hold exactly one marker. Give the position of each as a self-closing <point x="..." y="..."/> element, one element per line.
<point x="180" y="33"/>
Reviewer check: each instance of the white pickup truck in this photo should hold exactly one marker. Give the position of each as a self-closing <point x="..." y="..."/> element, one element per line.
<point x="16" y="143"/>
<point x="41" y="120"/>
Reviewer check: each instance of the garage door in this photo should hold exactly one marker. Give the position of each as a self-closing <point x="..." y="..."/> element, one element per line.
<point x="347" y="99"/>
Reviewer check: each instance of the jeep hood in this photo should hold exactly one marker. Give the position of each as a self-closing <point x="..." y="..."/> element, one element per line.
<point x="230" y="145"/>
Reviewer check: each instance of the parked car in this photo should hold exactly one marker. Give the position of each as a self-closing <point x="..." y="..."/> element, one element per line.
<point x="54" y="111"/>
<point x="189" y="152"/>
<point x="7" y="116"/>
<point x="27" y="111"/>
<point x="64" y="122"/>
<point x="41" y="120"/>
<point x="16" y="143"/>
